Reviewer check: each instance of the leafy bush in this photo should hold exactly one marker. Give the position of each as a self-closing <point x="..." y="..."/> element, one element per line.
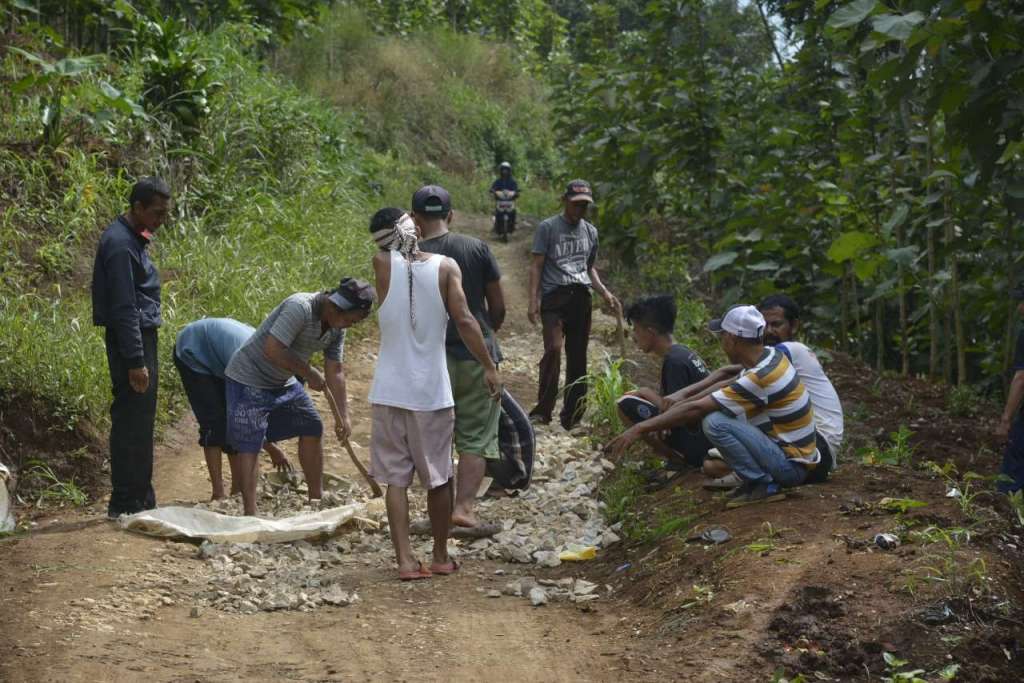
<point x="605" y="388"/>
<point x="898" y="452"/>
<point x="964" y="401"/>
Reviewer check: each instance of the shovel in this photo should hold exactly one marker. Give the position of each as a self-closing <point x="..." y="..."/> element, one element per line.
<point x="374" y="486"/>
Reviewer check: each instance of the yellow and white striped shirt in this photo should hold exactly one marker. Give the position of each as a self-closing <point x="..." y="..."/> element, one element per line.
<point x="771" y="397"/>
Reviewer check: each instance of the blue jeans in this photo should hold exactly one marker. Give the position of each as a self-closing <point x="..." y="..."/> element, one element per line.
<point x="1013" y="458"/>
<point x="751" y="454"/>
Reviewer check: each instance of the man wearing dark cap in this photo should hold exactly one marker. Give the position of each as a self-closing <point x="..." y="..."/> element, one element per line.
<point x="476" y="417"/>
<point x="266" y="403"/>
<point x="126" y="302"/>
<point x="562" y="274"/>
<point x="1011" y="423"/>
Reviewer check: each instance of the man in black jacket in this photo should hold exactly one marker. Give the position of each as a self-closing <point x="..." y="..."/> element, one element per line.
<point x="126" y="302"/>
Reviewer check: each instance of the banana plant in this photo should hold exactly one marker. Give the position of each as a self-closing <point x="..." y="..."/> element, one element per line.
<point x="54" y="77"/>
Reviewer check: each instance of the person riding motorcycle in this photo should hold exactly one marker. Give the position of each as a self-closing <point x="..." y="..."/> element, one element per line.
<point x="505" y="182"/>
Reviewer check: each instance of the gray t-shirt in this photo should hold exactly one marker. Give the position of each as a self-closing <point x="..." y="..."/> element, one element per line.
<point x="296" y="324"/>
<point x="569" y="251"/>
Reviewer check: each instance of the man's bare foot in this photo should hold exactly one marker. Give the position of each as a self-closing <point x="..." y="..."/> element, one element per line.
<point x="464" y="520"/>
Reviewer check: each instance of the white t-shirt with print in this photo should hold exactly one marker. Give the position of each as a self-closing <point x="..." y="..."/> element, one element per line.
<point x="828" y="411"/>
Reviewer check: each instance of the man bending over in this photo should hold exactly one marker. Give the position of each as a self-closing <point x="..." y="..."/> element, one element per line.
<point x="265" y="403"/>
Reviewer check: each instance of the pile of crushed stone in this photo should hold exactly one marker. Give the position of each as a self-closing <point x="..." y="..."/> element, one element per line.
<point x="558" y="513"/>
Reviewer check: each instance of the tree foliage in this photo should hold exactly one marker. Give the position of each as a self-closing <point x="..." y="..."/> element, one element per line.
<point x="864" y="156"/>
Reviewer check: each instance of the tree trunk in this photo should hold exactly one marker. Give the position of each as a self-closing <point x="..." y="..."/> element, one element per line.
<point x="1011" y="313"/>
<point x="879" y="334"/>
<point x="933" y="309"/>
<point x="844" y="315"/>
<point x="954" y="287"/>
<point x="855" y="310"/>
<point x="770" y="35"/>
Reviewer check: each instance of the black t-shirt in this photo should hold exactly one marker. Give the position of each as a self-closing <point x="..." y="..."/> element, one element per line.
<point x="479" y="268"/>
<point x="681" y="368"/>
<point x="505" y="184"/>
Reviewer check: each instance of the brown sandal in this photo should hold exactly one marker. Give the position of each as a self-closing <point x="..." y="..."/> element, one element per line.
<point x="420" y="572"/>
<point x="450" y="567"/>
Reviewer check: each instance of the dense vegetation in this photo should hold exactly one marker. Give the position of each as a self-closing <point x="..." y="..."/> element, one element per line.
<point x="273" y="185"/>
<point x="864" y="155"/>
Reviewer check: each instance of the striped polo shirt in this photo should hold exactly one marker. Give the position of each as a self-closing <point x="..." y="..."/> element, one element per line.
<point x="771" y="397"/>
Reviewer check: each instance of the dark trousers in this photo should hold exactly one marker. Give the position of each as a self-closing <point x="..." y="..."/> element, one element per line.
<point x="131" y="429"/>
<point x="565" y="314"/>
<point x="1013" y="458"/>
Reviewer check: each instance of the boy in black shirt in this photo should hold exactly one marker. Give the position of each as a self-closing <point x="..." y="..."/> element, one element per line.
<point x="653" y="319"/>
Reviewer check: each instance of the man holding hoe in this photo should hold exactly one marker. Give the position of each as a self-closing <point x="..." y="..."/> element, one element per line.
<point x="266" y="403"/>
<point x="413" y="416"/>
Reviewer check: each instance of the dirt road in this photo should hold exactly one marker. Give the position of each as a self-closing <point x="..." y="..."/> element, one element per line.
<point x="84" y="601"/>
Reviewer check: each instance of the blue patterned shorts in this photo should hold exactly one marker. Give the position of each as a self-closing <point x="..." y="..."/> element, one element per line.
<point x="256" y="415"/>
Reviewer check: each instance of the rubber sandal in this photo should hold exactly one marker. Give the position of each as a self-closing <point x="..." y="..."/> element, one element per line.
<point x="449" y="567"/>
<point x="420" y="572"/>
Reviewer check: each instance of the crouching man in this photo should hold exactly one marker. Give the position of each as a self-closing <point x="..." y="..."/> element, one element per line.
<point x="653" y="321"/>
<point x="762" y="423"/>
<point x="266" y="403"/>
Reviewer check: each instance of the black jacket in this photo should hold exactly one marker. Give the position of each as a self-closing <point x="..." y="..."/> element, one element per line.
<point x="125" y="289"/>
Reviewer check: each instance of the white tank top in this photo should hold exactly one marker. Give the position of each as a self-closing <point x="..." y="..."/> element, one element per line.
<point x="412" y="372"/>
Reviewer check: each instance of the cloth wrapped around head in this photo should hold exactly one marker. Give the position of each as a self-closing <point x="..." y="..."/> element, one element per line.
<point x="394" y="230"/>
<point x="399" y="236"/>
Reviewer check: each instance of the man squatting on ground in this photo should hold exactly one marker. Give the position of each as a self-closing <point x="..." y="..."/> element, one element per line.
<point x="762" y="423"/>
<point x="201" y="353"/>
<point x="653" y="320"/>
<point x="476" y="417"/>
<point x="782" y="323"/>
<point x="562" y="274"/>
<point x="1011" y="423"/>
<point x="264" y="400"/>
<point x="411" y="395"/>
<point x="126" y="303"/>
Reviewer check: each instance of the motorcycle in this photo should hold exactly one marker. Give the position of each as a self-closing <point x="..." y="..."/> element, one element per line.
<point x="504" y="213"/>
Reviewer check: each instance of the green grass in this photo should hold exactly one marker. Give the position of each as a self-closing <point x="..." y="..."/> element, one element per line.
<point x="606" y="386"/>
<point x="274" y="197"/>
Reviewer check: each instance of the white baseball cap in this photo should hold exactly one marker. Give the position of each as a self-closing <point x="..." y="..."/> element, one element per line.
<point x="742" y="321"/>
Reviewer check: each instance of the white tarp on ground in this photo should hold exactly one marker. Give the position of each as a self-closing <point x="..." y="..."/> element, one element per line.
<point x="196" y="523"/>
<point x="6" y="518"/>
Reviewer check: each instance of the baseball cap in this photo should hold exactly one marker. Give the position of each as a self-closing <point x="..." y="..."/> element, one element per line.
<point x="742" y="321"/>
<point x="432" y="200"/>
<point x="579" y="191"/>
<point x="352" y="294"/>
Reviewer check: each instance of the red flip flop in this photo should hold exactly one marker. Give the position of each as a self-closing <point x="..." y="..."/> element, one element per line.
<point x="449" y="567"/>
<point x="420" y="572"/>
